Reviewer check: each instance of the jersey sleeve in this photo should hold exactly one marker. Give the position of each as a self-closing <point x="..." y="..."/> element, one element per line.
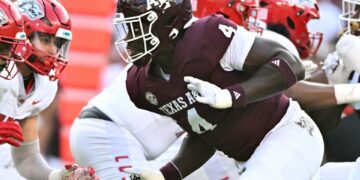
<point x="239" y="48"/>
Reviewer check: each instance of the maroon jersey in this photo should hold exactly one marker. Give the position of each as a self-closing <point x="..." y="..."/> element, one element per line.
<point x="235" y="131"/>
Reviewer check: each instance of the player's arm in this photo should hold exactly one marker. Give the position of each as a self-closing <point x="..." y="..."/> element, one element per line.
<point x="193" y="153"/>
<point x="270" y="67"/>
<point x="312" y="95"/>
<point x="336" y="71"/>
<point x="30" y="163"/>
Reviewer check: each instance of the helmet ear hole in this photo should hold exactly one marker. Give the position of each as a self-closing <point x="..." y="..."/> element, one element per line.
<point x="263" y="4"/>
<point x="290" y="23"/>
<point x="279" y="28"/>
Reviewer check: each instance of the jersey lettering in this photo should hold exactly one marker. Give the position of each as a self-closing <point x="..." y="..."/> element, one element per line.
<point x="227" y="30"/>
<point x="198" y="124"/>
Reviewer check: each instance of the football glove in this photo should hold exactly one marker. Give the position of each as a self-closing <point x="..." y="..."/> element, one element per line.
<point x="11" y="133"/>
<point x="348" y="48"/>
<point x="209" y="93"/>
<point x="335" y="70"/>
<point x="144" y="174"/>
<point x="73" y="172"/>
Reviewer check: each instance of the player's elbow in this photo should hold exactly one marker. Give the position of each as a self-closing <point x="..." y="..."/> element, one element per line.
<point x="294" y="63"/>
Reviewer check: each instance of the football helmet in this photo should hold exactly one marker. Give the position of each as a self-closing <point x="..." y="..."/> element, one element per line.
<point x="239" y="11"/>
<point x="12" y="39"/>
<point x="48" y="27"/>
<point x="145" y="26"/>
<point x="350" y="17"/>
<point x="290" y="19"/>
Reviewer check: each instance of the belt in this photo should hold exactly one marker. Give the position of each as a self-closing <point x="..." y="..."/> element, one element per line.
<point x="95" y="113"/>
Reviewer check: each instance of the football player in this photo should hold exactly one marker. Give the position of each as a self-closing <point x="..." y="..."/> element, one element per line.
<point x="31" y="90"/>
<point x="223" y="85"/>
<point x="137" y="137"/>
<point x="12" y="40"/>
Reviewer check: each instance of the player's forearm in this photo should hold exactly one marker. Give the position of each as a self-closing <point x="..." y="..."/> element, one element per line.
<point x="319" y="77"/>
<point x="29" y="162"/>
<point x="192" y="155"/>
<point x="311" y="95"/>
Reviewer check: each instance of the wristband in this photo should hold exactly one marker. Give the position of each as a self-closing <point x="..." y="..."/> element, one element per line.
<point x="171" y="172"/>
<point x="238" y="95"/>
<point x="347" y="93"/>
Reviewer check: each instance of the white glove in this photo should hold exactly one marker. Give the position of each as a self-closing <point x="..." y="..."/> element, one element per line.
<point x="209" y="93"/>
<point x="73" y="172"/>
<point x="348" y="48"/>
<point x="309" y="67"/>
<point x="335" y="70"/>
<point x="144" y="174"/>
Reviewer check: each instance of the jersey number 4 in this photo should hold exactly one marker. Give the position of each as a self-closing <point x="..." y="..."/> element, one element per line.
<point x="198" y="124"/>
<point x="227" y="30"/>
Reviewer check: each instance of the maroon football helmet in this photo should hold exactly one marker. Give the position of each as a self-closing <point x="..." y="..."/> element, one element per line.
<point x="144" y="26"/>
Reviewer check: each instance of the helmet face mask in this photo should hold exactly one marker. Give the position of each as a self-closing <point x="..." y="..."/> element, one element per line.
<point x="48" y="54"/>
<point x="48" y="28"/>
<point x="135" y="35"/>
<point x="145" y="26"/>
<point x="12" y="39"/>
<point x="349" y="19"/>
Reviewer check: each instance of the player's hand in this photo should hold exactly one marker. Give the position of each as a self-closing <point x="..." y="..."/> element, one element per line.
<point x="309" y="67"/>
<point x="144" y="174"/>
<point x="209" y="93"/>
<point x="11" y="133"/>
<point x="348" y="48"/>
<point x="74" y="172"/>
<point x="335" y="70"/>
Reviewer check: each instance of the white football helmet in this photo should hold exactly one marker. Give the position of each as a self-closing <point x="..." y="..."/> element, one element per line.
<point x="350" y="17"/>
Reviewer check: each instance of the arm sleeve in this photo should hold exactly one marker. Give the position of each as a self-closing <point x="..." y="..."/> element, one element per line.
<point x="29" y="162"/>
<point x="239" y="48"/>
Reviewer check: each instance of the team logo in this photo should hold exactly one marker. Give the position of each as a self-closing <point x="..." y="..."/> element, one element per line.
<point x="30" y="8"/>
<point x="35" y="102"/>
<point x="164" y="4"/>
<point x="151" y="98"/>
<point x="3" y="18"/>
<point x="305" y="123"/>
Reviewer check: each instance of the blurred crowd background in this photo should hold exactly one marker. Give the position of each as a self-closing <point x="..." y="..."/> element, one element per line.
<point x="94" y="63"/>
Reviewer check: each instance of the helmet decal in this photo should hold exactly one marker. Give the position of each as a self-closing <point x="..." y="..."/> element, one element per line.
<point x="158" y="3"/>
<point x="30" y="8"/>
<point x="3" y="18"/>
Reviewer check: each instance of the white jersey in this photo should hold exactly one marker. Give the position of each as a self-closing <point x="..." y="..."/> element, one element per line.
<point x="114" y="101"/>
<point x="15" y="103"/>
